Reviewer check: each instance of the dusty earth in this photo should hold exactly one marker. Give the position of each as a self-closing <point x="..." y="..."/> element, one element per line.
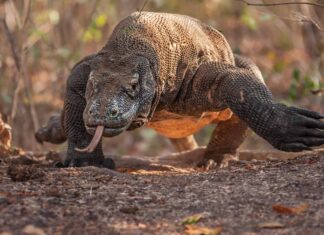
<point x="163" y="196"/>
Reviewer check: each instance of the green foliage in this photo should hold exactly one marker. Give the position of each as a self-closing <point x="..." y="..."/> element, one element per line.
<point x="266" y="17"/>
<point x="38" y="34"/>
<point x="279" y="66"/>
<point x="302" y="86"/>
<point x="93" y="32"/>
<point x="285" y="42"/>
<point x="63" y="52"/>
<point x="293" y="90"/>
<point x="54" y="16"/>
<point x="47" y="16"/>
<point x="248" y="20"/>
<point x="192" y="219"/>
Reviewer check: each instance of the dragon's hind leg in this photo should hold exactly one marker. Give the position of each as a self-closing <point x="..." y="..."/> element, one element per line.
<point x="226" y="138"/>
<point x="184" y="144"/>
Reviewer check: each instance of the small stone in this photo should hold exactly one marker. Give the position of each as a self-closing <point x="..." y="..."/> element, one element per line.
<point x="129" y="210"/>
<point x="4" y="201"/>
<point x="53" y="192"/>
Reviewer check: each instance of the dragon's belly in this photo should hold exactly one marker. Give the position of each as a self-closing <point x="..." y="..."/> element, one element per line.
<point x="173" y="125"/>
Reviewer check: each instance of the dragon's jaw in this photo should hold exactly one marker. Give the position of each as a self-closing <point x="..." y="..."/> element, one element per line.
<point x="107" y="131"/>
<point x="107" y="128"/>
<point x="98" y="132"/>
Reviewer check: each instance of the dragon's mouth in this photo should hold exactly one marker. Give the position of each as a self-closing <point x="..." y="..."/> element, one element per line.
<point x="107" y="131"/>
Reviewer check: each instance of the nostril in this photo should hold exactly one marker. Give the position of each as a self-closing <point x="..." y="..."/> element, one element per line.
<point x="114" y="112"/>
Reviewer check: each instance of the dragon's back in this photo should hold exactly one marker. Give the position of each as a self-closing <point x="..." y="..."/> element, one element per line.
<point x="175" y="45"/>
<point x="171" y="42"/>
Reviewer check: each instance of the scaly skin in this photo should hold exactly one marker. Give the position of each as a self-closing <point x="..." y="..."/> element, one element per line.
<point x="159" y="66"/>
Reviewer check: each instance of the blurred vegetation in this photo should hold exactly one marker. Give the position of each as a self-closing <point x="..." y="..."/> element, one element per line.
<point x="42" y="39"/>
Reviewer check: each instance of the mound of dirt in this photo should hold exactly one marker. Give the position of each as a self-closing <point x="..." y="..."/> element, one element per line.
<point x="162" y="196"/>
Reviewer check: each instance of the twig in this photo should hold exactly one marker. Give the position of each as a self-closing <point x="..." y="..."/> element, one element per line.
<point x="281" y="4"/>
<point x="146" y="1"/>
<point x="298" y="16"/>
<point x="302" y="18"/>
<point x="15" y="13"/>
<point x="19" y="58"/>
<point x="12" y="43"/>
<point x="26" y="13"/>
<point x="15" y="99"/>
<point x="92" y="12"/>
<point x="141" y="10"/>
<point x="318" y="91"/>
<point x="89" y="17"/>
<point x="13" y="48"/>
<point x="24" y="74"/>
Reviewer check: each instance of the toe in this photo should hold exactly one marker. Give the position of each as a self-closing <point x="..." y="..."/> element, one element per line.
<point x="211" y="165"/>
<point x="109" y="163"/>
<point x="59" y="165"/>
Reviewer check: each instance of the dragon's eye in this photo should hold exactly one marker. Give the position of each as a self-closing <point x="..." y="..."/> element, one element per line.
<point x="136" y="76"/>
<point x="132" y="88"/>
<point x="134" y="81"/>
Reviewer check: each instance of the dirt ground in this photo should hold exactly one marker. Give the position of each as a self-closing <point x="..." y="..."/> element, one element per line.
<point x="161" y="196"/>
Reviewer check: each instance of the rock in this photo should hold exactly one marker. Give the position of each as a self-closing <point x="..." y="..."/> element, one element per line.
<point x="24" y="173"/>
<point x="32" y="230"/>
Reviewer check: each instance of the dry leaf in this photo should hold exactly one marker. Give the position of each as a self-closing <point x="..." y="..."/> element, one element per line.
<point x="301" y="208"/>
<point x="32" y="230"/>
<point x="193" y="219"/>
<point x="271" y="225"/>
<point x="290" y="210"/>
<point x="199" y="230"/>
<point x="5" y="134"/>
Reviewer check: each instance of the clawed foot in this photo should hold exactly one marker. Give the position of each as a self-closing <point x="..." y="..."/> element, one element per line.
<point x="217" y="162"/>
<point x="293" y="129"/>
<point x="83" y="162"/>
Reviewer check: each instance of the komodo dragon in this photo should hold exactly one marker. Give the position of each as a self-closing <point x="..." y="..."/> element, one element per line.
<point x="174" y="74"/>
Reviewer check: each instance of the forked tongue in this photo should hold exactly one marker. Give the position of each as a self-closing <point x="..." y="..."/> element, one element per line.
<point x="94" y="142"/>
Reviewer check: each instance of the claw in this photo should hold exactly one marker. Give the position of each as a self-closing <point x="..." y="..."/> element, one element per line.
<point x="308" y="113"/>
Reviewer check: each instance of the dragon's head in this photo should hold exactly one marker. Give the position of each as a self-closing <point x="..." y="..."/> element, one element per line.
<point x="119" y="94"/>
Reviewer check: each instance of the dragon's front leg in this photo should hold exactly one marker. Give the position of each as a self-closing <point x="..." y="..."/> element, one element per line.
<point x="77" y="136"/>
<point x="242" y="89"/>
